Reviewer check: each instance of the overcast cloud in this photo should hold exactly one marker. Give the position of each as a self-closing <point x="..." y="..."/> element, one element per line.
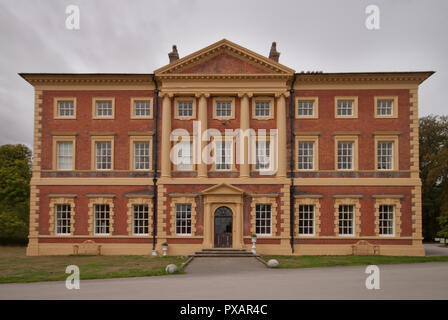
<point x="135" y="37"/>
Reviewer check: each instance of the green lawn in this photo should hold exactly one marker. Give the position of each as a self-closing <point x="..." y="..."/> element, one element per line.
<point x="332" y="261"/>
<point x="15" y="266"/>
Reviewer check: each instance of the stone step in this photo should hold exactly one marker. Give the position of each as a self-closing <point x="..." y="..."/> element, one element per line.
<point x="223" y="249"/>
<point x="220" y="255"/>
<point x="222" y="252"/>
<point x="234" y="251"/>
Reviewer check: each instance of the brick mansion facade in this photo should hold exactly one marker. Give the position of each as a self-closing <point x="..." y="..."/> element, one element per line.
<point x="328" y="163"/>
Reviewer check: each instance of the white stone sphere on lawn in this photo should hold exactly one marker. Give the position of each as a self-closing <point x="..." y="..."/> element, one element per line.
<point x="171" y="268"/>
<point x="273" y="263"/>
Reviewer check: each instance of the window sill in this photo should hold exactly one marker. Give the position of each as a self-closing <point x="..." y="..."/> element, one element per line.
<point x="185" y="118"/>
<point x="65" y="118"/>
<point x="263" y="118"/>
<point x="141" y="118"/>
<point x="307" y="117"/>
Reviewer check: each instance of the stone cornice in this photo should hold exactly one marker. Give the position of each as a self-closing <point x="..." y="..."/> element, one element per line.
<point x="416" y="77"/>
<point x="146" y="79"/>
<point x="86" y="78"/>
<point x="229" y="76"/>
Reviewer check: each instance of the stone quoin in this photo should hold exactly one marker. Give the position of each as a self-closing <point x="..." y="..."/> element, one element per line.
<point x="336" y="173"/>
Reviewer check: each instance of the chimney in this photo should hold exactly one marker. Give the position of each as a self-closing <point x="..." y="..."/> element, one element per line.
<point x="173" y="55"/>
<point x="274" y="54"/>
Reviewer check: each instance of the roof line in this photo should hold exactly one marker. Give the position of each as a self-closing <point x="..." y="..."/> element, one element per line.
<point x="364" y="72"/>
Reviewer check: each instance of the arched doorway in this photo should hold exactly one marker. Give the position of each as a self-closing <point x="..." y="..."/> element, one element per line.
<point x="223" y="227"/>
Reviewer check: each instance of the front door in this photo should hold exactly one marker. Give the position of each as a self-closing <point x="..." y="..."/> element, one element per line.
<point x="223" y="228"/>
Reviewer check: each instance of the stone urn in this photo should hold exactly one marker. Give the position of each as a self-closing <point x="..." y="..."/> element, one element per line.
<point x="164" y="248"/>
<point x="254" y="240"/>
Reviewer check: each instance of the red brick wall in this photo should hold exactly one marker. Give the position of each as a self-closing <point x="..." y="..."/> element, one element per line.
<point x="365" y="123"/>
<point x="121" y="125"/>
<point x="327" y="216"/>
<point x="224" y="63"/>
<point x="82" y="208"/>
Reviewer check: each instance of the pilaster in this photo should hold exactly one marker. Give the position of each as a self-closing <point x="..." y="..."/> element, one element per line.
<point x="202" y="166"/>
<point x="281" y="127"/>
<point x="166" y="130"/>
<point x="245" y="124"/>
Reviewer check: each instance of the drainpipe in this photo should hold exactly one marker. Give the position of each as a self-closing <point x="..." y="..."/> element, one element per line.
<point x="155" y="161"/>
<point x="291" y="164"/>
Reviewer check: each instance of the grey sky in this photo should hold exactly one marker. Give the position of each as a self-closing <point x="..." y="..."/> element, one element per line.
<point x="135" y="37"/>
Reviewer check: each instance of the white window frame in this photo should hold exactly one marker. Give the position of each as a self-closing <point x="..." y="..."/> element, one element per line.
<point x="56" y="109"/>
<point x="393" y="220"/>
<point x="266" y="155"/>
<point x="179" y="148"/>
<point x="186" y="219"/>
<point x="387" y="137"/>
<point x="353" y="219"/>
<point x="59" y="156"/>
<point x="394" y="113"/>
<point x="179" y="100"/>
<point x="350" y="161"/>
<point x="63" y="139"/>
<point x="389" y="158"/>
<point x="95" y="110"/>
<point x="133" y="110"/>
<point x="315" y="109"/>
<point x="313" y="220"/>
<point x="264" y="219"/>
<point x="56" y="219"/>
<point x="227" y="141"/>
<point x="270" y="101"/>
<point x="94" y="140"/>
<point x="311" y="138"/>
<point x="137" y="157"/>
<point x="346" y="138"/>
<point x="302" y="157"/>
<point x="231" y="100"/>
<point x="354" y="114"/>
<point x="102" y="156"/>
<point x="95" y="219"/>
<point x="134" y="219"/>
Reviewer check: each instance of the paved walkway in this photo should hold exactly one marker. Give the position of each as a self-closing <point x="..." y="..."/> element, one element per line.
<point x="434" y="249"/>
<point x="410" y="281"/>
<point x="202" y="266"/>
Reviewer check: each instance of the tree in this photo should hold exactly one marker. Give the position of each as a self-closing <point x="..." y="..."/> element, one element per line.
<point x="443" y="221"/>
<point x="15" y="175"/>
<point x="433" y="171"/>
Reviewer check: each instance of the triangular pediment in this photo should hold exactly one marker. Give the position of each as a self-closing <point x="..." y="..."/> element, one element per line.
<point x="224" y="57"/>
<point x="223" y="189"/>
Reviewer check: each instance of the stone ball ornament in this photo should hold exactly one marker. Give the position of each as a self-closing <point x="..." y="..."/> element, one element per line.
<point x="171" y="268"/>
<point x="273" y="263"/>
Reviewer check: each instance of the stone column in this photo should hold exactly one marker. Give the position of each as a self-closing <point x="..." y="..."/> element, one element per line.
<point x="202" y="117"/>
<point x="208" y="227"/>
<point x="244" y="125"/>
<point x="239" y="241"/>
<point x="166" y="130"/>
<point x="281" y="127"/>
